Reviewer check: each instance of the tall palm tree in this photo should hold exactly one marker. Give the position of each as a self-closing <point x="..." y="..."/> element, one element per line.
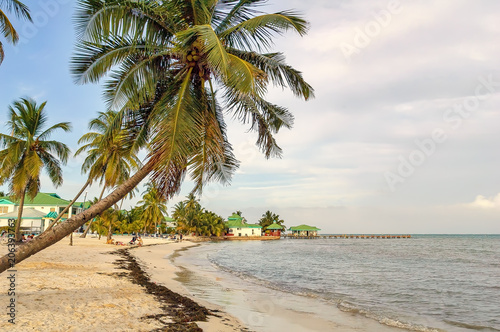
<point x="8" y="31"/>
<point x="153" y="206"/>
<point x="29" y="150"/>
<point x="109" y="157"/>
<point x="172" y="67"/>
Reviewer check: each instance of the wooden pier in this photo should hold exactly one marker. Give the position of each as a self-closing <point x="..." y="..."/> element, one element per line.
<point x="349" y="236"/>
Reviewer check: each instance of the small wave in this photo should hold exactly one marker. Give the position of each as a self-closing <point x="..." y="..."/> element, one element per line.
<point x="348" y="307"/>
<point x="341" y="304"/>
<point x="471" y="326"/>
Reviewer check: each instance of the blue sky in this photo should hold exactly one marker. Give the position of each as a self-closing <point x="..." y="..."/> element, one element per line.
<point x="402" y="136"/>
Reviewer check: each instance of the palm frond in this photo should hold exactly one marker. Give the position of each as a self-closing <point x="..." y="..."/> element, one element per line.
<point x="232" y="12"/>
<point x="7" y="29"/>
<point x="65" y="126"/>
<point x="177" y="118"/>
<point x="281" y="74"/>
<point x="257" y="32"/>
<point x="2" y="53"/>
<point x="96" y="19"/>
<point x="18" y="8"/>
<point x="214" y="161"/>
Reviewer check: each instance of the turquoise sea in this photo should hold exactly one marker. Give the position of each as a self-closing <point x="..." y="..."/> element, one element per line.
<point x="426" y="283"/>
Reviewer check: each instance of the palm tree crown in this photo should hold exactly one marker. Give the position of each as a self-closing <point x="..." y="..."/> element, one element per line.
<point x="173" y="65"/>
<point x="153" y="205"/>
<point x="6" y="27"/>
<point x="109" y="157"/>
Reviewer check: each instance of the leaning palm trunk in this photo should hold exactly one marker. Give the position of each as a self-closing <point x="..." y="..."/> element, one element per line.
<point x="69" y="205"/>
<point x="65" y="228"/>
<point x="84" y="235"/>
<point x="17" y="231"/>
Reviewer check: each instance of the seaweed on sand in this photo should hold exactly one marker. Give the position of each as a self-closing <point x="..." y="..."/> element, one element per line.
<point x="179" y="312"/>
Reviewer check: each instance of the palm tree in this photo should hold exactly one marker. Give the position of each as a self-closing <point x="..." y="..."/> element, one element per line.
<point x="163" y="61"/>
<point x="269" y="218"/>
<point x="154" y="208"/>
<point x="109" y="157"/>
<point x="187" y="214"/>
<point x="112" y="218"/>
<point x="8" y="31"/>
<point x="28" y="151"/>
<point x="99" y="225"/>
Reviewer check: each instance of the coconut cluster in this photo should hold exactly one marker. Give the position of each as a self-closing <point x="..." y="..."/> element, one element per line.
<point x="194" y="55"/>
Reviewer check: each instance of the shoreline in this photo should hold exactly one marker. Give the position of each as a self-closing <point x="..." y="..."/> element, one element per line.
<point x="258" y="308"/>
<point x="96" y="286"/>
<point x="156" y="262"/>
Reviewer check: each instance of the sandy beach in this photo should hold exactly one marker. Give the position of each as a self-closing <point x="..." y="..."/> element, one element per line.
<point x="80" y="287"/>
<point x="99" y="287"/>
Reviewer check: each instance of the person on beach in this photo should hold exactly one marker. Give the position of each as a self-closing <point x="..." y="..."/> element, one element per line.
<point x="140" y="241"/>
<point x="180" y="237"/>
<point x="134" y="238"/>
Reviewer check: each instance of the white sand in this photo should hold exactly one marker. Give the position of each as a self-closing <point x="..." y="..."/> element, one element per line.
<point x="74" y="288"/>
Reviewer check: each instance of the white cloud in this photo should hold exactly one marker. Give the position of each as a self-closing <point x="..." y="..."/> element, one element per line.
<point x="486" y="202"/>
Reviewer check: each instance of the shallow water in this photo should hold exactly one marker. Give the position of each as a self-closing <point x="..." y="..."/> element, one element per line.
<point x="426" y="283"/>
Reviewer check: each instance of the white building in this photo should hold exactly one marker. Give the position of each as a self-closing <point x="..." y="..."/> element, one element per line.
<point x="236" y="226"/>
<point x="44" y="205"/>
<point x="32" y="221"/>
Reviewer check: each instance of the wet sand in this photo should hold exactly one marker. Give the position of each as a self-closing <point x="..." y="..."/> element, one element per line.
<point x="154" y="260"/>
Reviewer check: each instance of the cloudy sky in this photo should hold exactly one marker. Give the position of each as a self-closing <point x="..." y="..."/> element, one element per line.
<point x="402" y="136"/>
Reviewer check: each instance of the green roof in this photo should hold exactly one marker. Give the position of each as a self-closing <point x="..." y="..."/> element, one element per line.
<point x="274" y="226"/>
<point x="40" y="199"/>
<point x="51" y="214"/>
<point x="240" y="224"/>
<point x="234" y="216"/>
<point x="304" y="228"/>
<point x="6" y="200"/>
<point x="81" y="205"/>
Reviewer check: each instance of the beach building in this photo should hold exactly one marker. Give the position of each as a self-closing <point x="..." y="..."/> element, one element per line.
<point x="32" y="221"/>
<point x="274" y="229"/>
<point x="237" y="226"/>
<point x="304" y="230"/>
<point x="48" y="206"/>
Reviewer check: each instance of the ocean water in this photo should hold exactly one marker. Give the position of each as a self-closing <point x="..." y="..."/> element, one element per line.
<point x="426" y="283"/>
